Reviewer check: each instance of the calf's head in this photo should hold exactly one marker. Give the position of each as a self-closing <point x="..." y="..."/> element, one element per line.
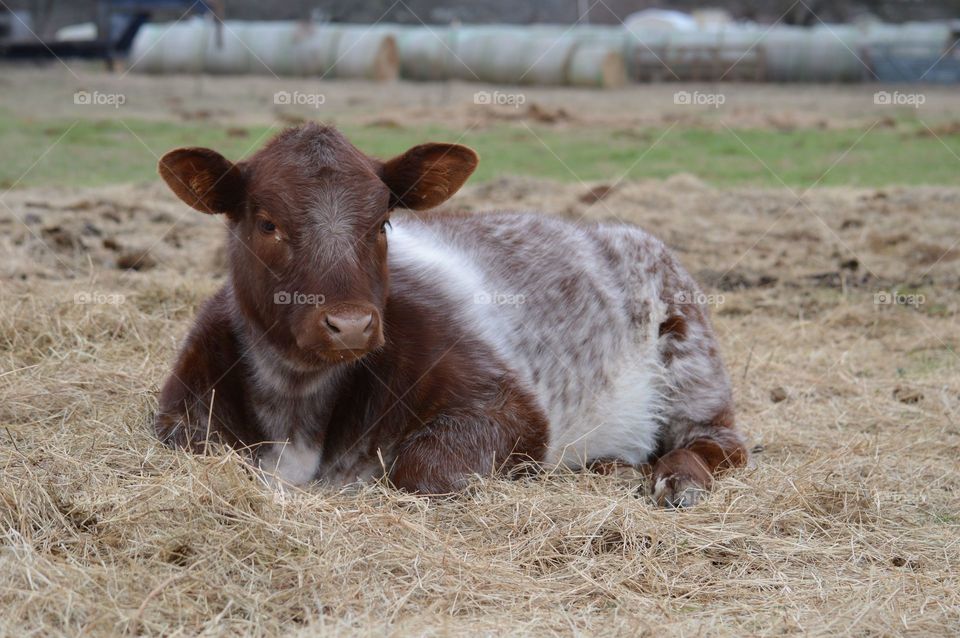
<point x="307" y="245"/>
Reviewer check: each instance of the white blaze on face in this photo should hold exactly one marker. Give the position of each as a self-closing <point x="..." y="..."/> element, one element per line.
<point x="334" y="228"/>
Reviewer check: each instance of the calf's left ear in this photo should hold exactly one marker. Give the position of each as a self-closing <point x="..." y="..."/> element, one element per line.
<point x="427" y="175"/>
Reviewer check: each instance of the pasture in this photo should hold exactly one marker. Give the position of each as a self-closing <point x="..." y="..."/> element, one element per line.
<point x="822" y="226"/>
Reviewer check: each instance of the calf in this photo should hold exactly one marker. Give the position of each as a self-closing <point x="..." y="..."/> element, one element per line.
<point x="354" y="339"/>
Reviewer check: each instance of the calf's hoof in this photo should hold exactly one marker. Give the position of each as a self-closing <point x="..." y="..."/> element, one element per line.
<point x="680" y="479"/>
<point x="677" y="491"/>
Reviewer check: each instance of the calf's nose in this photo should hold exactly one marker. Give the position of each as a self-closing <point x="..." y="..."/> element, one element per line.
<point x="349" y="331"/>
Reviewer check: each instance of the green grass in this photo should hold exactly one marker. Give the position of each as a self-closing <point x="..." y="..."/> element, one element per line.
<point x="90" y="153"/>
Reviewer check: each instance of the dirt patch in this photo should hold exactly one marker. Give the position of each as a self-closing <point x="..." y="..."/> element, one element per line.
<point x="234" y="101"/>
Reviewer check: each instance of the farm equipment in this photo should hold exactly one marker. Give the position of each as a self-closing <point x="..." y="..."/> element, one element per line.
<point x="110" y="35"/>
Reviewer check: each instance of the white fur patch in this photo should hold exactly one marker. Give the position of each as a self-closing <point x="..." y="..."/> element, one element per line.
<point x="459" y="278"/>
<point x="272" y="374"/>
<point x="607" y="412"/>
<point x="625" y="423"/>
<point x="334" y="229"/>
<point x="290" y="463"/>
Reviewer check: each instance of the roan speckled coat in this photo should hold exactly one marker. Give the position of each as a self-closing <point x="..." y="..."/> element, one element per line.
<point x="355" y="339"/>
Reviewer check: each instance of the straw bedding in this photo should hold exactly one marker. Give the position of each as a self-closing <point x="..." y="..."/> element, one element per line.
<point x="847" y="520"/>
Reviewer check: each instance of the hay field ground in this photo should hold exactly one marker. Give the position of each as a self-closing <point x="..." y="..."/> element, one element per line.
<point x="836" y="303"/>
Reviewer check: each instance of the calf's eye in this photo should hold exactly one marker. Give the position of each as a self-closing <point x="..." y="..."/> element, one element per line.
<point x="267" y="227"/>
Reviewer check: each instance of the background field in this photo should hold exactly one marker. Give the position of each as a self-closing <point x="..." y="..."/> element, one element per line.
<point x="794" y="207"/>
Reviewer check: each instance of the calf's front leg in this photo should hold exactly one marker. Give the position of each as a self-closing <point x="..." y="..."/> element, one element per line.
<point x="203" y="398"/>
<point x="443" y="456"/>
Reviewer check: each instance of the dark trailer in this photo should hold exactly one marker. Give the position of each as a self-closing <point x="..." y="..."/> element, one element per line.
<point x="116" y="24"/>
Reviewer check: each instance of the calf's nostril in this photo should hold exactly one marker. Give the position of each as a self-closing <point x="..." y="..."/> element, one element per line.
<point x="331" y="325"/>
<point x="351" y="328"/>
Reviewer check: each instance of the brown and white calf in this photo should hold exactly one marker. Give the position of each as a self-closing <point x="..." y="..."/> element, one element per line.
<point x="354" y="339"/>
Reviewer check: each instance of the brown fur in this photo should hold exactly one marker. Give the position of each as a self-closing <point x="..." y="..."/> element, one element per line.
<point x="420" y="397"/>
<point x="407" y="399"/>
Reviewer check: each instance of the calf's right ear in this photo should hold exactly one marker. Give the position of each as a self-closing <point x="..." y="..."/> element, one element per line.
<point x="204" y="180"/>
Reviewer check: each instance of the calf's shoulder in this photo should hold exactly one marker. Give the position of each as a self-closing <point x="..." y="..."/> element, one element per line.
<point x="204" y="398"/>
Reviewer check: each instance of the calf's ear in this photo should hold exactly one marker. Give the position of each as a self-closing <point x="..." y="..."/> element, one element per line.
<point x="427" y="175"/>
<point x="203" y="179"/>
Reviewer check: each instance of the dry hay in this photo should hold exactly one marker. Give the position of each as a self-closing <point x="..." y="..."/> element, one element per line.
<point x="848" y="521"/>
<point x="596" y="65"/>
